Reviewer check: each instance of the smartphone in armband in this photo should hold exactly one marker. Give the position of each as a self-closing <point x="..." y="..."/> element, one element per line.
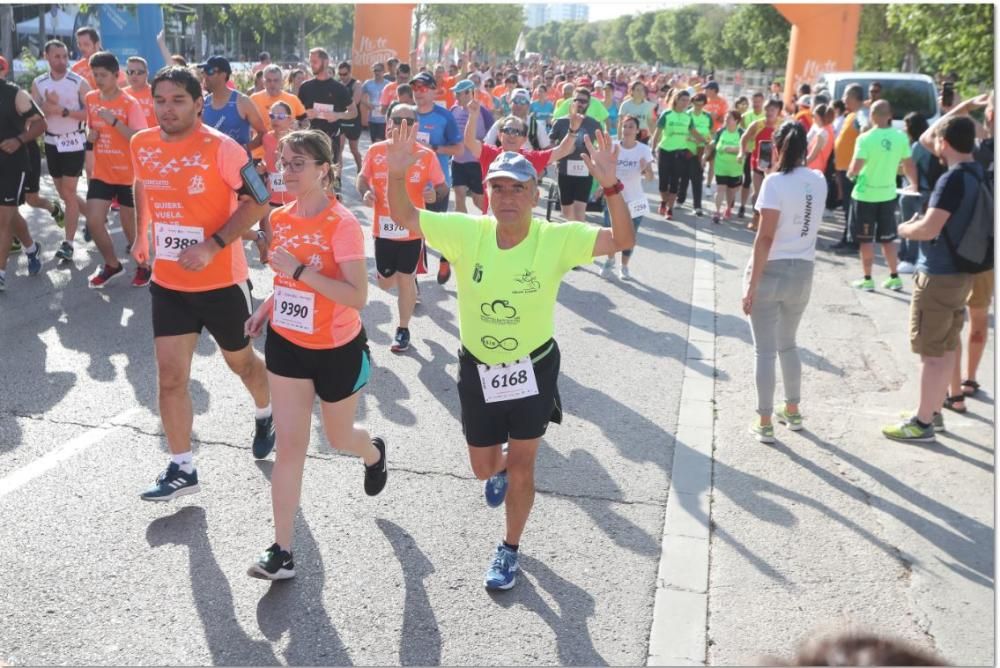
<point x="254" y="184"/>
<point x="764" y="158"/>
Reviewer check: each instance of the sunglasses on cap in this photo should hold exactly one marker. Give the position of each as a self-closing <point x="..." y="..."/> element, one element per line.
<point x="512" y="131"/>
<point x="134" y="72"/>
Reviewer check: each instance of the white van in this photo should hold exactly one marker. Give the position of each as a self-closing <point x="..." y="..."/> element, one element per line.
<point x="905" y="92"/>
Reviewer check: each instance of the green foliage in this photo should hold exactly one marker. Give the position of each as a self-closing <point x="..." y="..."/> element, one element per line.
<point x="584" y="42"/>
<point x="490" y="28"/>
<point x="950" y="39"/>
<point x="568" y="30"/>
<point x="31" y="69"/>
<point x="880" y="48"/>
<point x="757" y="37"/>
<point x="637" y="33"/>
<point x="613" y="45"/>
<point x="708" y="36"/>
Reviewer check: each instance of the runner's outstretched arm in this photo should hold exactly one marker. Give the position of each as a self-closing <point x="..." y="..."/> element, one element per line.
<point x="400" y="155"/>
<point x="602" y="161"/>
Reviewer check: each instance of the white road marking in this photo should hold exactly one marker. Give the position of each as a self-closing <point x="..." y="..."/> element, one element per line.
<point x="70" y="448"/>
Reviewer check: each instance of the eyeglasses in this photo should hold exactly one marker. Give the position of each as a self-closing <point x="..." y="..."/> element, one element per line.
<point x="420" y="88"/>
<point x="344" y="74"/>
<point x="515" y="132"/>
<point x="279" y="117"/>
<point x="134" y="72"/>
<point x="521" y="100"/>
<point x="581" y="100"/>
<point x="399" y="120"/>
<point x="296" y="165"/>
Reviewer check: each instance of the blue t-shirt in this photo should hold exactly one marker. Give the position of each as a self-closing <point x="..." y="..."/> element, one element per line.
<point x="543" y="110"/>
<point x="613" y="120"/>
<point x="461" y="115"/>
<point x="955" y="193"/>
<point x="438" y="128"/>
<point x="374" y="92"/>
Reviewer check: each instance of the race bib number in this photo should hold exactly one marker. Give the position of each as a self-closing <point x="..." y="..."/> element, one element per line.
<point x="70" y="143"/>
<point x="278" y="183"/>
<point x="639" y="207"/>
<point x="323" y="108"/>
<point x="507" y="382"/>
<point x="576" y="168"/>
<point x="388" y="229"/>
<point x="424" y="138"/>
<point x="294" y="309"/>
<point x="172" y="239"/>
<point x="377" y="110"/>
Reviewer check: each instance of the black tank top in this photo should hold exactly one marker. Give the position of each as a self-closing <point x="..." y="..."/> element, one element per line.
<point x="11" y="122"/>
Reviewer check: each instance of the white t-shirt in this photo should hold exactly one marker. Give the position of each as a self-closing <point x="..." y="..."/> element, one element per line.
<point x="800" y="197"/>
<point x="630" y="169"/>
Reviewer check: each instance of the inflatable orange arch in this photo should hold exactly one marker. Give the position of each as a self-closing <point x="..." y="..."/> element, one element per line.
<point x="823" y="40"/>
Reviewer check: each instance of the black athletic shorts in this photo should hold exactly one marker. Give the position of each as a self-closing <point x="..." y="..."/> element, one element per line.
<point x="492" y="424"/>
<point x="97" y="189"/>
<point x="223" y="312"/>
<point x="873" y="221"/>
<point x="351" y="129"/>
<point x="63" y="164"/>
<point x="729" y="181"/>
<point x="392" y="255"/>
<point x="468" y="175"/>
<point x="672" y="166"/>
<point x="574" y="189"/>
<point x="376" y="131"/>
<point x="34" y="177"/>
<point x="11" y="186"/>
<point x="336" y="373"/>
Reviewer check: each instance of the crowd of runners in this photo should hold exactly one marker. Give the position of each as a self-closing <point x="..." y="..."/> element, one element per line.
<point x="455" y="161"/>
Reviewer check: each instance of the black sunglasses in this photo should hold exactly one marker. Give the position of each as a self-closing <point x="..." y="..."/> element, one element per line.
<point x="399" y="121"/>
<point x="132" y="72"/>
<point x="516" y="132"/>
<point x="581" y="100"/>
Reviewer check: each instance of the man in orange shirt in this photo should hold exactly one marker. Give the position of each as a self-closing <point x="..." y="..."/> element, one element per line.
<point x="272" y="93"/>
<point x="88" y="40"/>
<point x="137" y="72"/>
<point x="113" y="117"/>
<point x="187" y="178"/>
<point x="804" y="115"/>
<point x="398" y="251"/>
<point x="389" y="92"/>
<point x="443" y="94"/>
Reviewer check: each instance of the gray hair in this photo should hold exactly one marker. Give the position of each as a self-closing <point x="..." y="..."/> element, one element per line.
<point x="409" y="108"/>
<point x="273" y="68"/>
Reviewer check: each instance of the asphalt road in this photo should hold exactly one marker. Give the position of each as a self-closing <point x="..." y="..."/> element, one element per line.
<point x="831" y="527"/>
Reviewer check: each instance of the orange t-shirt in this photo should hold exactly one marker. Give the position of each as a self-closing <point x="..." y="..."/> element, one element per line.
<point x="427" y="169"/>
<point x="500" y="91"/>
<point x="112" y="160"/>
<point x="717" y="108"/>
<point x="145" y="100"/>
<point x="444" y="97"/>
<point x="485" y="99"/>
<point x="82" y="68"/>
<point x="323" y="242"/>
<point x="388" y="95"/>
<point x="263" y="102"/>
<point x="804" y="117"/>
<point x="189" y="192"/>
<point x="275" y="179"/>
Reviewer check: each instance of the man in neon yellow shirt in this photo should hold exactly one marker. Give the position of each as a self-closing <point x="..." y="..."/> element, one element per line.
<point x="595" y="109"/>
<point x="878" y="155"/>
<point x="508" y="269"/>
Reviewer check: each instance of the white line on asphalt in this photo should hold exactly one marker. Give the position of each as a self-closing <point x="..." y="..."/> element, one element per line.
<point x="70" y="448"/>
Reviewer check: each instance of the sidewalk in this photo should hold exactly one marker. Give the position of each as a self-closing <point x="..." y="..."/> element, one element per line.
<point x="836" y="525"/>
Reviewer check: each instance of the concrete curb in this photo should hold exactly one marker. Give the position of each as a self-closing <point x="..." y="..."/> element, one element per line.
<point x="680" y="607"/>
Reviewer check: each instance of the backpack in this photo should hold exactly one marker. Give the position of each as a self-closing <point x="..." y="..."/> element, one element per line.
<point x="973" y="254"/>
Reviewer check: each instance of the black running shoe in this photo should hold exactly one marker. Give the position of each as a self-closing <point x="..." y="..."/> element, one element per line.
<point x="263" y="437"/>
<point x="376" y="474"/>
<point x="273" y="564"/>
<point x="402" y="341"/>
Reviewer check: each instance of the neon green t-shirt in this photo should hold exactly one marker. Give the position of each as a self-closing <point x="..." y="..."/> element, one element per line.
<point x="675" y="126"/>
<point x="507" y="298"/>
<point x="882" y="149"/>
<point x="727" y="164"/>
<point x="702" y="124"/>
<point x="595" y="110"/>
<point x="749" y="118"/>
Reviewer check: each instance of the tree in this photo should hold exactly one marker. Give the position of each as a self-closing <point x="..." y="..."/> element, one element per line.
<point x="879" y="46"/>
<point x="672" y="35"/>
<point x="487" y="28"/>
<point x="567" y="30"/>
<point x="757" y="36"/>
<point x="639" y="28"/>
<point x="708" y="35"/>
<point x="951" y="39"/>
<point x="612" y="45"/>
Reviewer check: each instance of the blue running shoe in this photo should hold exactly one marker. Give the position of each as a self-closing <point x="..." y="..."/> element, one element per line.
<point x="263" y="437"/>
<point x="501" y="574"/>
<point x="172" y="483"/>
<point x="496" y="489"/>
<point x="34" y="262"/>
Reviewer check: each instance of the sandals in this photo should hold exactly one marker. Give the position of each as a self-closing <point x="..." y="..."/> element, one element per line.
<point x="950" y="402"/>
<point x="970" y="384"/>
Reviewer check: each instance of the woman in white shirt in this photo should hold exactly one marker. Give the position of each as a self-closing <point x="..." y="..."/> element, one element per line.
<point x="635" y="160"/>
<point x="779" y="275"/>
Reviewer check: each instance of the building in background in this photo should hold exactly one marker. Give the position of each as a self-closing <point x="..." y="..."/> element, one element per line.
<point x="538" y="14"/>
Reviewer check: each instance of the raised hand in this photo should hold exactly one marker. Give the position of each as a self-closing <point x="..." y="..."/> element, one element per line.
<point x="402" y="150"/>
<point x="602" y="160"/>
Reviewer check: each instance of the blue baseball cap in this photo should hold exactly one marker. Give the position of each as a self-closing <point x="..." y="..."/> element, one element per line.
<point x="510" y="165"/>
<point x="216" y="63"/>
<point x="462" y="86"/>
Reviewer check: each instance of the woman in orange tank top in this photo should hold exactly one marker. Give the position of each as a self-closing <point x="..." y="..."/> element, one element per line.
<point x="315" y="345"/>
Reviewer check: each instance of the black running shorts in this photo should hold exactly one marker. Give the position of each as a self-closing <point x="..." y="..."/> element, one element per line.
<point x="63" y="164"/>
<point x="336" y="373"/>
<point x="109" y="191"/>
<point x="393" y="256"/>
<point x="873" y="221"/>
<point x="223" y="312"/>
<point x="486" y="424"/>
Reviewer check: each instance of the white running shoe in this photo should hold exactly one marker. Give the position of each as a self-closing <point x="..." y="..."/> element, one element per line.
<point x="608" y="267"/>
<point x="906" y="268"/>
<point x="624" y="274"/>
